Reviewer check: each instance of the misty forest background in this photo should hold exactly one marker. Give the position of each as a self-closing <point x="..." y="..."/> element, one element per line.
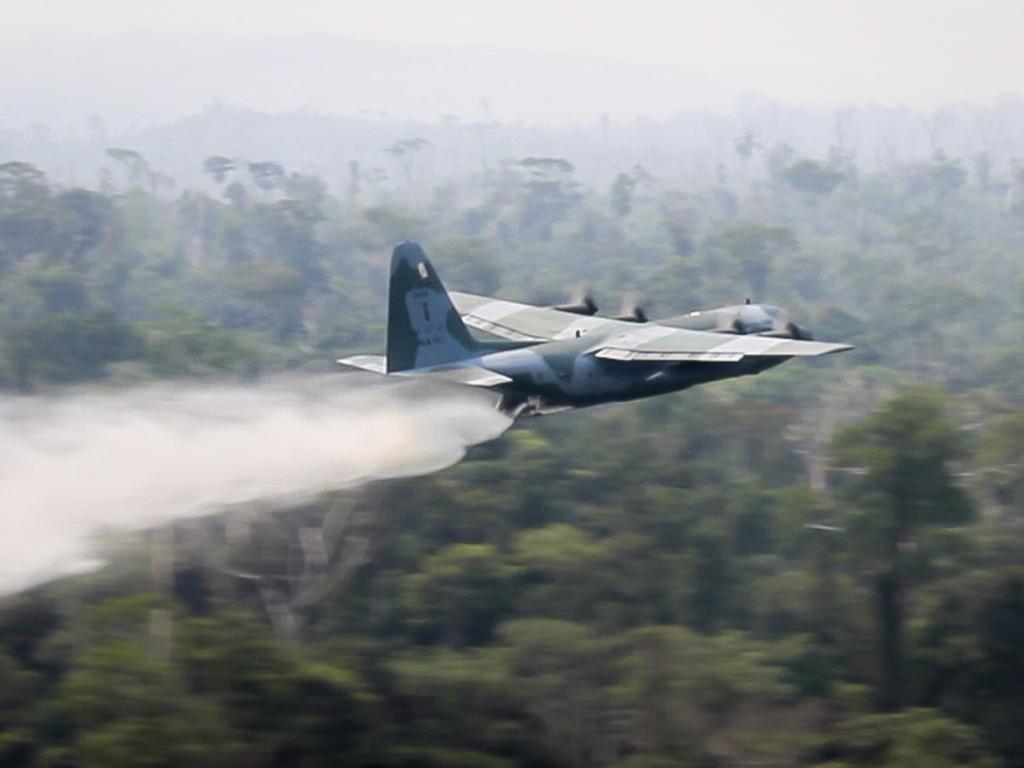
<point x="821" y="566"/>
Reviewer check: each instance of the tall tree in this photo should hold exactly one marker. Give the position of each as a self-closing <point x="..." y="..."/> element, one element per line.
<point x="899" y="460"/>
<point x="750" y="249"/>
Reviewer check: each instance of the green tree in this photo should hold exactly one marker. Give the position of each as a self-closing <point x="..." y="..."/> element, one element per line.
<point x="749" y="250"/>
<point x="999" y="461"/>
<point x="61" y="289"/>
<point x="548" y="194"/>
<point x="218" y="167"/>
<point x="813" y="177"/>
<point x="267" y="175"/>
<point x="136" y="168"/>
<point x="80" y="219"/>
<point x="621" y="194"/>
<point x="182" y="342"/>
<point x="63" y="348"/>
<point x="1001" y="668"/>
<point x="460" y="594"/>
<point x="473" y="267"/>
<point x="901" y="480"/>
<point x="25" y="213"/>
<point x="917" y="737"/>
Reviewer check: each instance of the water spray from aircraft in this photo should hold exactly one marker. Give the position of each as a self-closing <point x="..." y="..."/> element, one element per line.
<point x="73" y="467"/>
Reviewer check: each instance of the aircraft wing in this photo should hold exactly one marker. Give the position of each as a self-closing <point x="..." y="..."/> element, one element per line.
<point x="523" y="322"/>
<point x="650" y="342"/>
<point x="659" y="343"/>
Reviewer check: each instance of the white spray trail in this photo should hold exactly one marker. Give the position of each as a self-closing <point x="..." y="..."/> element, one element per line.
<point x="75" y="466"/>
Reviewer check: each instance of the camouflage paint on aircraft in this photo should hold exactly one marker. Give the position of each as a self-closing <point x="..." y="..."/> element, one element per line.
<point x="550" y="359"/>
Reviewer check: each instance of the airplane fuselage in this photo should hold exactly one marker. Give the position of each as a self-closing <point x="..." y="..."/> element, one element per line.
<point x="563" y="374"/>
<point x="544" y="359"/>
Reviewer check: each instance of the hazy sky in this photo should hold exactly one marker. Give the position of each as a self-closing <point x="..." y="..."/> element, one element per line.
<point x="918" y="52"/>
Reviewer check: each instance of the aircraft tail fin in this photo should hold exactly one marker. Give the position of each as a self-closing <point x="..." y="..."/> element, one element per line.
<point x="424" y="328"/>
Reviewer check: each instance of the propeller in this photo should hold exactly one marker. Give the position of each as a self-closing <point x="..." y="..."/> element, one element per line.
<point x="632" y="310"/>
<point x="784" y="326"/>
<point x="767" y="320"/>
<point x="582" y="303"/>
<point x="746" y="319"/>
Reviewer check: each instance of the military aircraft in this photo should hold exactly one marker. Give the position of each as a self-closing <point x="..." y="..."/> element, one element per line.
<point x="547" y="359"/>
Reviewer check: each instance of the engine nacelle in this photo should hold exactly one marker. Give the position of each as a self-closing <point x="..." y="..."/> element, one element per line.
<point x="635" y="315"/>
<point x="743" y="320"/>
<point x="585" y="306"/>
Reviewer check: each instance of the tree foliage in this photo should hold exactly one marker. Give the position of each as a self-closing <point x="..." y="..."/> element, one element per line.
<point x="819" y="566"/>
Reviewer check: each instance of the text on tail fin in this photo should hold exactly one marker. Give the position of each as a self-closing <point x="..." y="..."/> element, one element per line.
<point x="424" y="328"/>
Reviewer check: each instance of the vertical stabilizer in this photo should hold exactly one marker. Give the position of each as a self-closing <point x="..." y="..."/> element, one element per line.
<point x="424" y="327"/>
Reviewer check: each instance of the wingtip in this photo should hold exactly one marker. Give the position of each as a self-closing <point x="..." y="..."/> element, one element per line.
<point x="835" y="349"/>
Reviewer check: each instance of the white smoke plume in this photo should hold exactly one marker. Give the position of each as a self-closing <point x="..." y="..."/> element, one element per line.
<point x="74" y="466"/>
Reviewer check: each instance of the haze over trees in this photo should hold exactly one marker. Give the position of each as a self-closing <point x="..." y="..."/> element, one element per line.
<point x="817" y="567"/>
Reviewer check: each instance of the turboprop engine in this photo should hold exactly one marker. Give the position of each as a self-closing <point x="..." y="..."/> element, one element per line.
<point x="743" y="319"/>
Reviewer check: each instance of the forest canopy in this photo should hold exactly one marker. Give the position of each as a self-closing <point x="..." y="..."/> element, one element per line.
<point x="820" y="566"/>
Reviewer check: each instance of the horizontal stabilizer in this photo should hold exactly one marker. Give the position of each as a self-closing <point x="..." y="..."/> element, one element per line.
<point x="467" y="375"/>
<point x="371" y="363"/>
